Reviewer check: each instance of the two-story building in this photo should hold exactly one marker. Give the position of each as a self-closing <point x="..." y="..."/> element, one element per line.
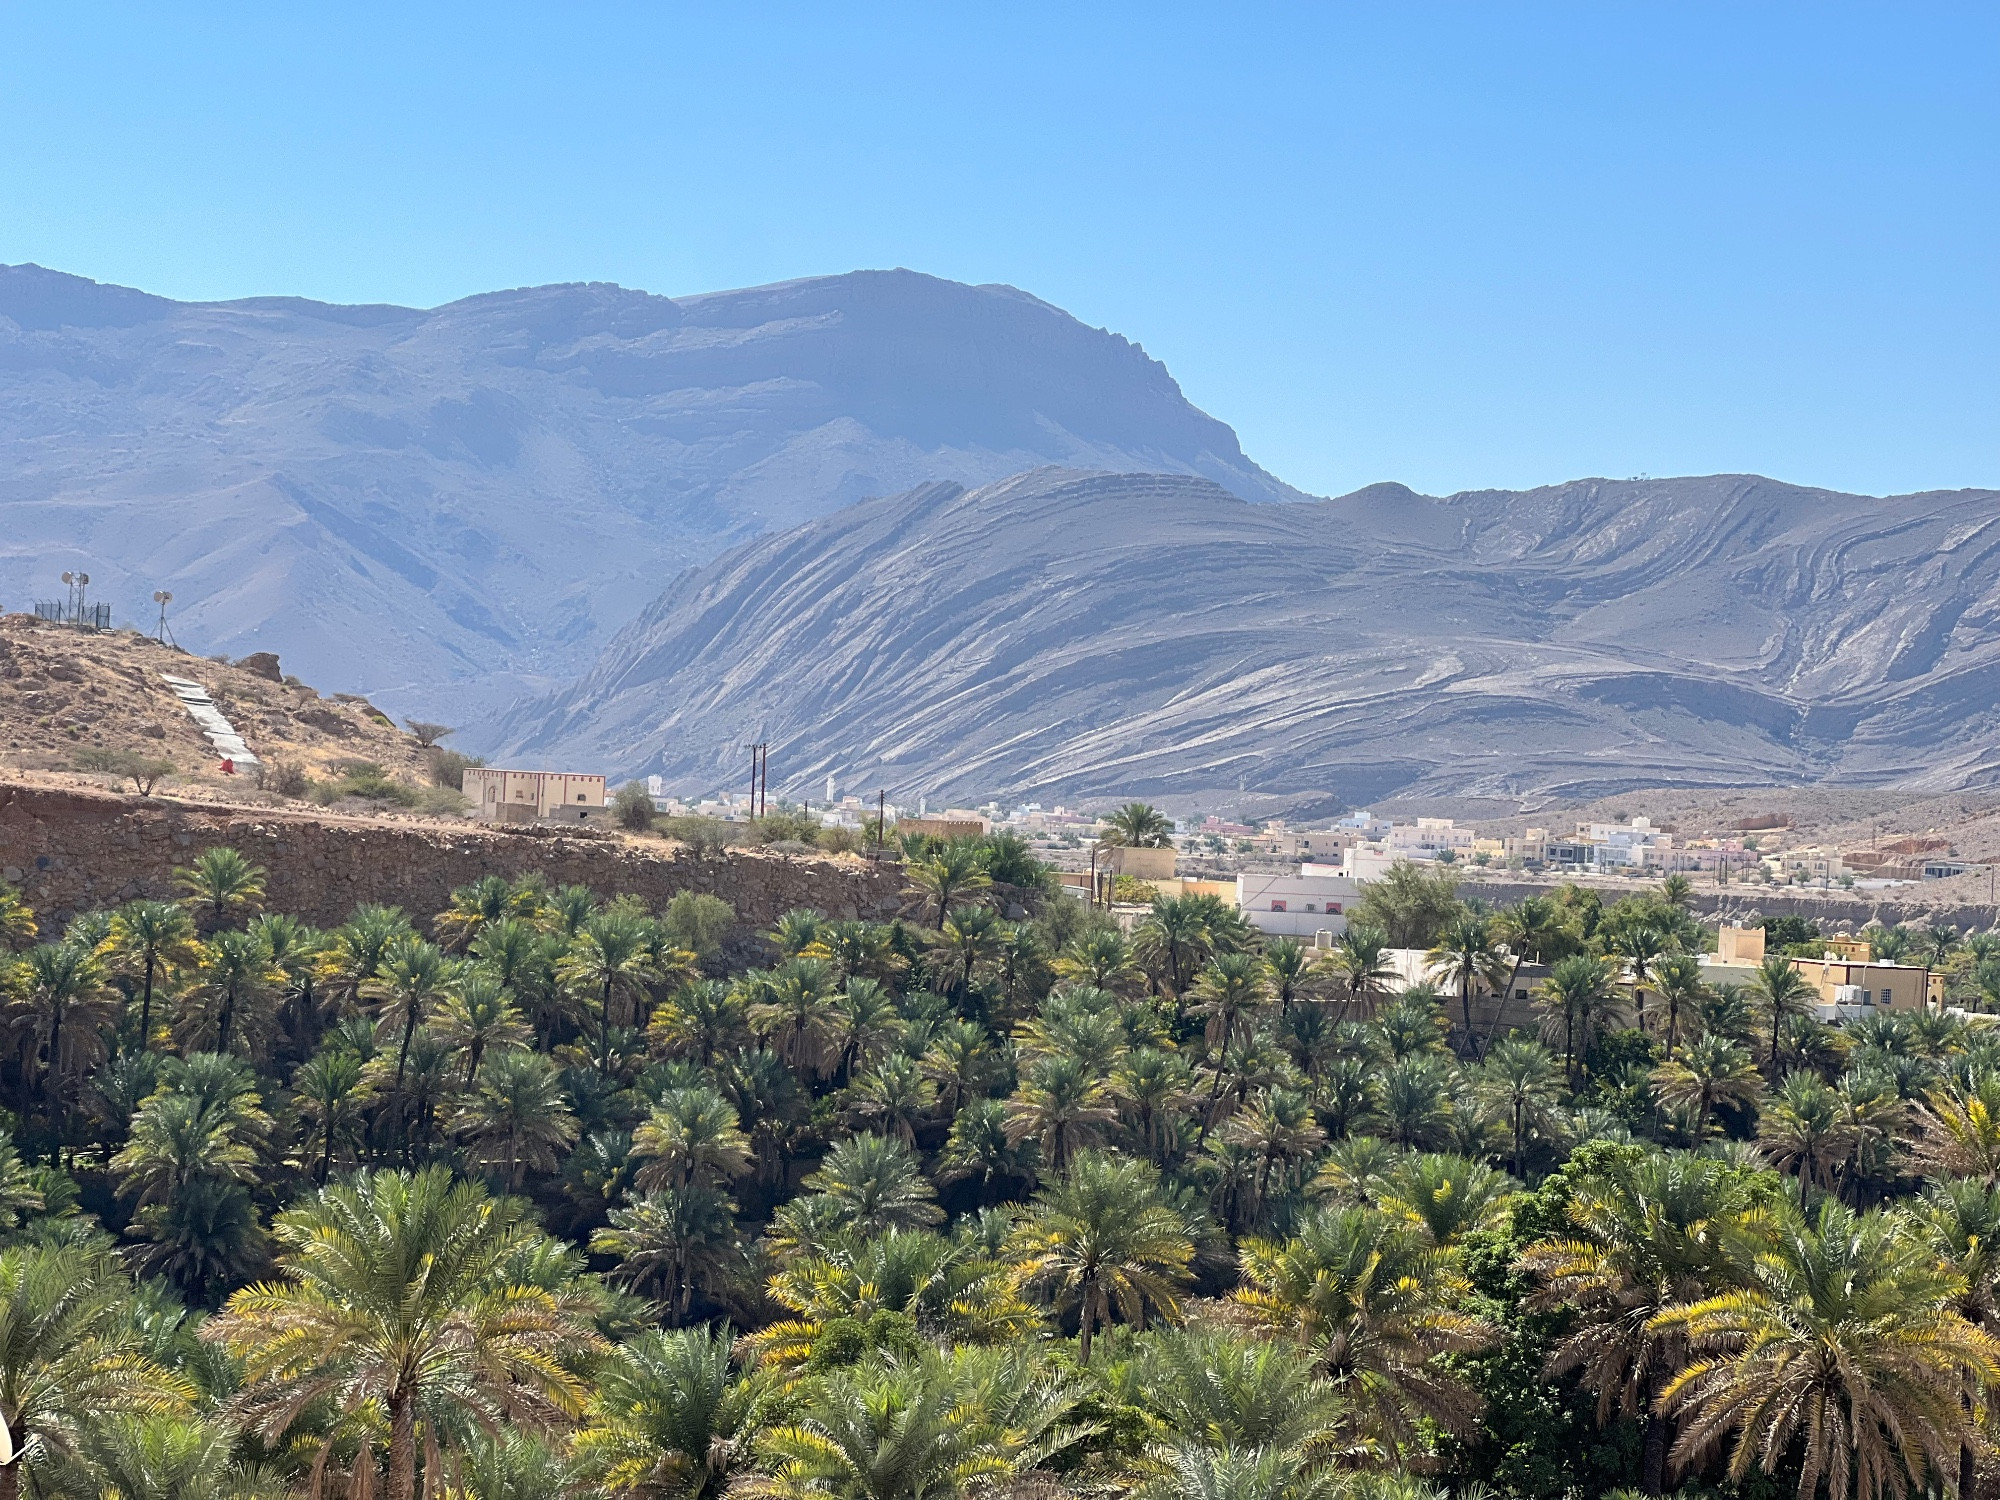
<point x="500" y="796"/>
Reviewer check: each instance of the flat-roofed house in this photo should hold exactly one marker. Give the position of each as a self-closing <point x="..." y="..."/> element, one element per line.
<point x="500" y="796"/>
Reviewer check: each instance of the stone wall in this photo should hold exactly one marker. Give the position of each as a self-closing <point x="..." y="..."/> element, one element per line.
<point x="1739" y="903"/>
<point x="73" y="850"/>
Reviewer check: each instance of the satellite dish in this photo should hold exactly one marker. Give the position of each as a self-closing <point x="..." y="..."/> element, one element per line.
<point x="83" y="578"/>
<point x="69" y="578"/>
<point x="162" y="596"/>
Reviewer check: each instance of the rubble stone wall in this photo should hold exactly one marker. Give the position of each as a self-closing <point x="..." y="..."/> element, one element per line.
<point x="72" y="850"/>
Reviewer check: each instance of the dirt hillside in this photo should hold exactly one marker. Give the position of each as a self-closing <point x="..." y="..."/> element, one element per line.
<point x="65" y="693"/>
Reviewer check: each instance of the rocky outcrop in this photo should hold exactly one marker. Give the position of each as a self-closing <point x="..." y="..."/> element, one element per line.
<point x="72" y="851"/>
<point x="1069" y="635"/>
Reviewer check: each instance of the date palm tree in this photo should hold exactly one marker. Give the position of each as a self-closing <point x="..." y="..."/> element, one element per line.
<point x="1679" y="979"/>
<point x="1843" y="1355"/>
<point x="1650" y="1233"/>
<point x="151" y="940"/>
<point x="675" y="1241"/>
<point x="1958" y="1128"/>
<point x="476" y="1016"/>
<point x="1708" y="1071"/>
<point x="1100" y="958"/>
<point x="219" y="885"/>
<point x="1804" y="1130"/>
<point x="516" y="1117"/>
<point x="894" y="1097"/>
<point x="1446" y="1196"/>
<point x="608" y="963"/>
<point x="791" y="1014"/>
<point x="397" y="1297"/>
<point x="355" y="950"/>
<point x="475" y="907"/>
<point x="333" y="1097"/>
<point x="70" y="1350"/>
<point x="1779" y="990"/>
<point x="64" y="1004"/>
<point x="693" y="1136"/>
<point x="1375" y="1304"/>
<point x="1520" y="1080"/>
<point x="1361" y="967"/>
<point x="670" y="1419"/>
<point x="230" y="1003"/>
<point x="1137" y="825"/>
<point x="1576" y="1000"/>
<point x="865" y="1025"/>
<point x="1063" y="1105"/>
<point x="17" y="919"/>
<point x="950" y="876"/>
<point x="1465" y="958"/>
<point x="874" y="1185"/>
<point x="1105" y="1241"/>
<point x="701" y="1020"/>
<point x="1642" y="946"/>
<point x="410" y="978"/>
<point x="981" y="1151"/>
<point x="1962" y="1221"/>
<point x="1153" y="1089"/>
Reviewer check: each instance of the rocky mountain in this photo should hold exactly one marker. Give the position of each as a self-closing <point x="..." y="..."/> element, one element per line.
<point x="1068" y="635"/>
<point x="445" y="508"/>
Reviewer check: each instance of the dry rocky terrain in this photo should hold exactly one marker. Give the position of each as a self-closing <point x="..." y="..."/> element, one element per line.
<point x="65" y="693"/>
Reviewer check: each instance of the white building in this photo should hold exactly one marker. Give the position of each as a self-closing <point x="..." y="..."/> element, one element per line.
<point x="1429" y="837"/>
<point x="1315" y="900"/>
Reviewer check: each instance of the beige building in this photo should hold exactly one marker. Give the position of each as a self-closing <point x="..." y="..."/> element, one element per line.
<point x="1842" y="983"/>
<point x="527" y="796"/>
<point x="1141" y="864"/>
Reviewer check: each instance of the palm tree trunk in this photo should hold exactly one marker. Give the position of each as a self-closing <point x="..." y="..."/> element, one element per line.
<point x="1655" y="1473"/>
<point x="146" y="1007"/>
<point x="10" y="1480"/>
<point x="1968" y="1473"/>
<point x="402" y="1448"/>
<point x="1465" y="1005"/>
<point x="1088" y="1306"/>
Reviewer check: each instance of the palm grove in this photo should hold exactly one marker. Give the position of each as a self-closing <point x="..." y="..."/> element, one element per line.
<point x="549" y="1193"/>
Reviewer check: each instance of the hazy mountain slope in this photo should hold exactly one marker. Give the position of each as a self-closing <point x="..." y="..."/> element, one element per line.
<point x="440" y="508"/>
<point x="1067" y="634"/>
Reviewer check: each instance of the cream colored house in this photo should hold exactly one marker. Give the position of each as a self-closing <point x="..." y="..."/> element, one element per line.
<point x="499" y="796"/>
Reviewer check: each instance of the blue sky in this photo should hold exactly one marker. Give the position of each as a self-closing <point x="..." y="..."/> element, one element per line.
<point x="1459" y="246"/>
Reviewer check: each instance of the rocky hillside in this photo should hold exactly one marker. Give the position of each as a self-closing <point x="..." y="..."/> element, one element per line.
<point x="443" y="508"/>
<point x="66" y="693"/>
<point x="1062" y="634"/>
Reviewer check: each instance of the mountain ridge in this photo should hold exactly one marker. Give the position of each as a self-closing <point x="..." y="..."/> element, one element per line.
<point x="1067" y="635"/>
<point x="446" y="508"/>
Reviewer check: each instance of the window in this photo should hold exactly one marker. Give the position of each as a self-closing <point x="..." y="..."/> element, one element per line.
<point x="1310" y="906"/>
<point x="579" y="796"/>
<point x="1333" y="908"/>
<point x="1277" y="906"/>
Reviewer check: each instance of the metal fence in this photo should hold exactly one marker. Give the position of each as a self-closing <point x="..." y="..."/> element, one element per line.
<point x="84" y="617"/>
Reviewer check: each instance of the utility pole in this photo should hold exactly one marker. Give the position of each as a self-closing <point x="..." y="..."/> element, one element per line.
<point x="753" y="779"/>
<point x="764" y="795"/>
<point x="881" y="820"/>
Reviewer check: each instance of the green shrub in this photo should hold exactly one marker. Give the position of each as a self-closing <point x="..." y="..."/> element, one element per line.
<point x="447" y="767"/>
<point x="633" y="807"/>
<point x="704" y="835"/>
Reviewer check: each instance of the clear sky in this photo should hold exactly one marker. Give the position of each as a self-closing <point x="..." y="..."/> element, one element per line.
<point x="1459" y="246"/>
